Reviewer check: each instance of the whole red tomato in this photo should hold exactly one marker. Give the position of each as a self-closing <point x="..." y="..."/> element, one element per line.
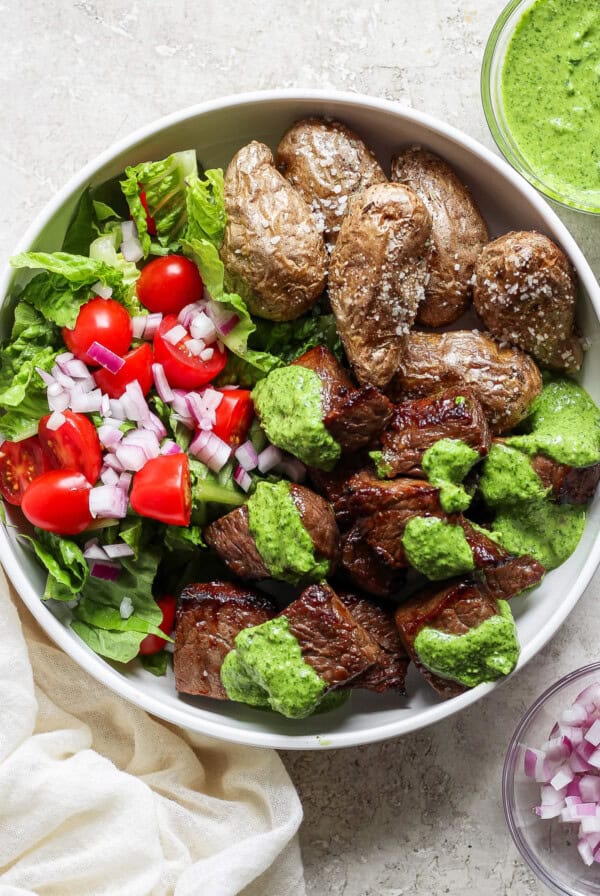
<point x="169" y="283"/>
<point x="74" y="445"/>
<point x="103" y="321"/>
<point x="58" y="501"/>
<point x="137" y="366"/>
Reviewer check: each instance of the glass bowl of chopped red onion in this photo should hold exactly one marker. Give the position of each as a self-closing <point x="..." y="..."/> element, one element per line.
<point x="551" y="784"/>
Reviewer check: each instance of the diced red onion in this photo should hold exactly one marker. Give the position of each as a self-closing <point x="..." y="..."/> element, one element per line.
<point x="212" y="398"/>
<point x="55" y="421"/>
<point x="94" y="551"/>
<point x="138" y="325"/>
<point x="223" y="319"/>
<point x="269" y="458"/>
<point x="120" y="549"/>
<point x="132" y="250"/>
<point x="107" y="501"/>
<point x="211" y="450"/>
<point x="105" y="357"/>
<point x="153" y="322"/>
<point x="131" y="457"/>
<point x="205" y="423"/>
<point x="195" y="347"/>
<point x="574" y="734"/>
<point x="63" y="359"/>
<point x="589" y="698"/>
<point x="548" y="811"/>
<point x="134" y="403"/>
<point x="246" y="456"/>
<point x="110" y="436"/>
<point x="199" y="406"/>
<point x="87" y="385"/>
<point x="589" y="786"/>
<point x="175" y="334"/>
<point x="202" y="327"/>
<point x="126" y="608"/>
<point x="85" y="402"/>
<point x="207" y="354"/>
<point x="161" y="382"/>
<point x="592" y="735"/>
<point x="67" y="382"/>
<point x="292" y="468"/>
<point x="116" y="409"/>
<point x="170" y="447"/>
<point x="575" y="715"/>
<point x="184" y="420"/>
<point x="58" y="401"/>
<point x="129" y="230"/>
<point x="112" y="422"/>
<point x="111" y="460"/>
<point x="155" y="425"/>
<point x="109" y="476"/>
<point x="76" y="369"/>
<point x="99" y="289"/>
<point x="46" y="377"/>
<point x="125" y="480"/>
<point x="107" y="570"/>
<point x="189" y="312"/>
<point x="243" y="479"/>
<point x="550" y="796"/>
<point x="585" y="851"/>
<point x="144" y="439"/>
<point x="558" y="748"/>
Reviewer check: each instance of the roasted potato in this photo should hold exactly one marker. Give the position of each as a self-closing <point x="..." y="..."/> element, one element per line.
<point x="327" y="163"/>
<point x="505" y="380"/>
<point x="272" y="248"/>
<point x="458" y="234"/>
<point x="525" y="293"/>
<point x="376" y="277"/>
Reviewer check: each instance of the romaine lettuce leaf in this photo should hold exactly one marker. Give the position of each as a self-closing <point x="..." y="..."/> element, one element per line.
<point x="164" y="183"/>
<point x="206" y="207"/>
<point x="105" y="249"/>
<point x="64" y="560"/>
<point x="156" y="662"/>
<point x="290" y="339"/>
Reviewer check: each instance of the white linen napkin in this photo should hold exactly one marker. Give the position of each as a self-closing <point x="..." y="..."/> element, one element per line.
<point x="97" y="798"/>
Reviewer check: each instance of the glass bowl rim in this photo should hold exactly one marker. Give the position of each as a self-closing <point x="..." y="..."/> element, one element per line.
<point x="508" y="773"/>
<point x="501" y="136"/>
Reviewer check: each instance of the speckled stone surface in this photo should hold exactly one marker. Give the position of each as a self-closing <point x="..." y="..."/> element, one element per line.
<point x="420" y="815"/>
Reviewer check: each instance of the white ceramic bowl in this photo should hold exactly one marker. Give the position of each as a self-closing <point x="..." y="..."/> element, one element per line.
<point x="217" y="129"/>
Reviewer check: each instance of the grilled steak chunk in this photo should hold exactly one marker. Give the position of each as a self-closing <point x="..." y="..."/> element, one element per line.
<point x="354" y="417"/>
<point x="332" y="641"/>
<point x="455" y="608"/>
<point x="209" y="616"/>
<point x="389" y="670"/>
<point x="231" y="538"/>
<point x="419" y="424"/>
<point x="570" y="485"/>
<point x="365" y="568"/>
<point x="366" y="494"/>
<point x="513" y="575"/>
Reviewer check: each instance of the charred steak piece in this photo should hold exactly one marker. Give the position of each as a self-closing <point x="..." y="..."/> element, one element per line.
<point x="420" y="423"/>
<point x="454" y="608"/>
<point x="389" y="670"/>
<point x="331" y="639"/>
<point x="365" y="568"/>
<point x="570" y="485"/>
<point x="354" y="417"/>
<point x="209" y="616"/>
<point x="513" y="575"/>
<point x="231" y="536"/>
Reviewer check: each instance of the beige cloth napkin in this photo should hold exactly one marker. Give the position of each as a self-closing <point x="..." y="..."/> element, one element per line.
<point x="97" y="798"/>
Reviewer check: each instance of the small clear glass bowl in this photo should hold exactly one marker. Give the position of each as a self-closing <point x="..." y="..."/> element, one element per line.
<point x="549" y="846"/>
<point x="493" y="107"/>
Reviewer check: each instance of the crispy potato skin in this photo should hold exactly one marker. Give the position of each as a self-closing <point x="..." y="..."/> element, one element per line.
<point x="525" y="293"/>
<point x="458" y="234"/>
<point x="376" y="277"/>
<point x="504" y="380"/>
<point x="271" y="242"/>
<point x="327" y="163"/>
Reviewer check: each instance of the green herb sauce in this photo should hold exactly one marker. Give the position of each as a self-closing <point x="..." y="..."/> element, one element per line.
<point x="283" y="543"/>
<point x="239" y="684"/>
<point x="564" y="422"/>
<point x="550" y="532"/>
<point x="551" y="94"/>
<point x="509" y="478"/>
<point x="484" y="653"/>
<point x="288" y="402"/>
<point x="436" y="548"/>
<point x="446" y="464"/>
<point x="383" y="468"/>
<point x="271" y="657"/>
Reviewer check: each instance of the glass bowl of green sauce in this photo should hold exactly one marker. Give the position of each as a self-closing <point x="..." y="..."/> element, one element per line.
<point x="550" y="843"/>
<point x="540" y="86"/>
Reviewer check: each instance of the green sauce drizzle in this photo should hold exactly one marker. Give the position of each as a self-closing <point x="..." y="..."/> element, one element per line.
<point x="446" y="464"/>
<point x="283" y="543"/>
<point x="550" y="532"/>
<point x="485" y="653"/>
<point x="288" y="402"/>
<point x="508" y="477"/>
<point x="436" y="548"/>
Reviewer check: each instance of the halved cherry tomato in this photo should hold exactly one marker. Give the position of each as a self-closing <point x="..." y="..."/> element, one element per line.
<point x="103" y="321"/>
<point x="169" y="283"/>
<point x="150" y="222"/>
<point x="152" y="643"/>
<point x="73" y="446"/>
<point x="185" y="371"/>
<point x="137" y="366"/>
<point x="161" y="490"/>
<point x="58" y="501"/>
<point x="234" y="416"/>
<point x="20" y="463"/>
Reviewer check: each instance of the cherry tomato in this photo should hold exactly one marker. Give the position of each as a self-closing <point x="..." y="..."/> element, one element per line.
<point x="185" y="371"/>
<point x="58" y="501"/>
<point x="150" y="222"/>
<point x="152" y="643"/>
<point x="161" y="490"/>
<point x="103" y="321"/>
<point x="169" y="283"/>
<point x="234" y="416"/>
<point x="20" y="463"/>
<point x="137" y="366"/>
<point x="73" y="446"/>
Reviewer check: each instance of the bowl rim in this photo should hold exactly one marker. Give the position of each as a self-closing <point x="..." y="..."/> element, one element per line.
<point x="509" y="767"/>
<point x="499" y="133"/>
<point x="219" y="728"/>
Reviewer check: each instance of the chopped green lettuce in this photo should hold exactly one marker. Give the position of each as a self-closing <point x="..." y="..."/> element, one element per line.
<point x="164" y="184"/>
<point x="67" y="568"/>
<point x="156" y="663"/>
<point x="290" y="339"/>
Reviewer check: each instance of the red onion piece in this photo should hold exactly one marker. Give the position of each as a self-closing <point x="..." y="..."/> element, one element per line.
<point x="120" y="549"/>
<point x="77" y="370"/>
<point x="144" y="439"/>
<point x="207" y="354"/>
<point x="46" y="377"/>
<point x="154" y="424"/>
<point x="58" y="401"/>
<point x="132" y="250"/>
<point x="107" y="502"/>
<point x="94" y="551"/>
<point x="134" y="403"/>
<point x="129" y="230"/>
<point x="85" y="402"/>
<point x="269" y="458"/>
<point x="292" y="468"/>
<point x="202" y="327"/>
<point x="243" y="479"/>
<point x="138" y="325"/>
<point x="55" y="421"/>
<point x="99" y="289"/>
<point x="131" y="457"/>
<point x="105" y="357"/>
<point x="189" y="312"/>
<point x="211" y="450"/>
<point x="108" y="571"/>
<point x="111" y="460"/>
<point x="170" y="447"/>
<point x="161" y="382"/>
<point x="153" y="322"/>
<point x="223" y="319"/>
<point x="175" y="334"/>
<point x="67" y="382"/>
<point x="109" y="476"/>
<point x="246" y="456"/>
<point x="117" y="410"/>
<point x="63" y="359"/>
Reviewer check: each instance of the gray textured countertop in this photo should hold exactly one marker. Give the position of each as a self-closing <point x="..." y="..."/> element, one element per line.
<point x="420" y="815"/>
